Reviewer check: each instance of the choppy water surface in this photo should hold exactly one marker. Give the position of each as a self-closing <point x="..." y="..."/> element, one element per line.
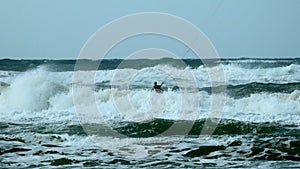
<point x="259" y="126"/>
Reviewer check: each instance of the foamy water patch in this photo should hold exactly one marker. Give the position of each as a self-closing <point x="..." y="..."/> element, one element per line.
<point x="263" y="107"/>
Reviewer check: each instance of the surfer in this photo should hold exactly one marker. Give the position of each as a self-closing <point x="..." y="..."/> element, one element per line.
<point x="157" y="87"/>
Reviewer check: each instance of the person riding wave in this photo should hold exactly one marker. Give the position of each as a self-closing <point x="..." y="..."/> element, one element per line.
<point x="157" y="87"/>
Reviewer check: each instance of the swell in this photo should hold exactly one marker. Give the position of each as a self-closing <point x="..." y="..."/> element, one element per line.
<point x="245" y="90"/>
<point x="155" y="127"/>
<point x="111" y="64"/>
<point x="235" y="91"/>
<point x="224" y="127"/>
<point x="248" y="63"/>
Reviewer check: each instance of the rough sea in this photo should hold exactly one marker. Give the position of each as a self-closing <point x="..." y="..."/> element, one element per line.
<point x="134" y="127"/>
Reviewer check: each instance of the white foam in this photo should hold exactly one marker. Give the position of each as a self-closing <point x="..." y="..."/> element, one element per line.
<point x="30" y="92"/>
<point x="47" y="96"/>
<point x="264" y="107"/>
<point x="235" y="74"/>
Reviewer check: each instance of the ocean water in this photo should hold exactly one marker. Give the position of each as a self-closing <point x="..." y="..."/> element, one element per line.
<point x="44" y="123"/>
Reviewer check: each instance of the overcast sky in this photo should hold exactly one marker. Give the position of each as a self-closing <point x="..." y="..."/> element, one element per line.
<point x="58" y="29"/>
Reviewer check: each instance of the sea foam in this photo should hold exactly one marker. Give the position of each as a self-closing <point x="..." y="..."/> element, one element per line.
<point x="48" y="96"/>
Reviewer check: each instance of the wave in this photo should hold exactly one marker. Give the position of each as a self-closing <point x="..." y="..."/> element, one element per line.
<point x="224" y="127"/>
<point x="232" y="143"/>
<point x="31" y="91"/>
<point x="234" y="91"/>
<point x="111" y="64"/>
<point x="47" y="96"/>
<point x="245" y="90"/>
<point x="255" y="63"/>
<point x="234" y="75"/>
<point x="258" y="108"/>
<point x="236" y="72"/>
<point x="158" y="127"/>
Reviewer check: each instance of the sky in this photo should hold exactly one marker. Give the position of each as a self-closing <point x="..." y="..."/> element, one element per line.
<point x="58" y="29"/>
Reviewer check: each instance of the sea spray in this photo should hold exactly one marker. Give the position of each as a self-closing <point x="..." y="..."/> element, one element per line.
<point x="30" y="91"/>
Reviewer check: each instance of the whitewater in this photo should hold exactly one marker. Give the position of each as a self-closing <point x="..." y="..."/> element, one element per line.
<point x="258" y="127"/>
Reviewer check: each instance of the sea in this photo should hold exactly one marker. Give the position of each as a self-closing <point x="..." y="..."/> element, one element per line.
<point x="56" y="115"/>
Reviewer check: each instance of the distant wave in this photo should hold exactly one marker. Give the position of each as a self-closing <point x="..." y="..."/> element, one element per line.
<point x="111" y="64"/>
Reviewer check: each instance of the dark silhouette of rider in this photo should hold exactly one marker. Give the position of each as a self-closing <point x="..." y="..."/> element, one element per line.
<point x="157" y="87"/>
